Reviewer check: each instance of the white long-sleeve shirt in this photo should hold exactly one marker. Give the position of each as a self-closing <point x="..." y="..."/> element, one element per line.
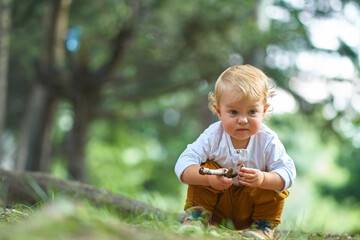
<point x="264" y="152"/>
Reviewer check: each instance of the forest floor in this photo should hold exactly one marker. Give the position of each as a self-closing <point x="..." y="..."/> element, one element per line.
<point x="71" y="220"/>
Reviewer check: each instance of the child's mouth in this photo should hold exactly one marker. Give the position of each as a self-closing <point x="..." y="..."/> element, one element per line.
<point x="241" y="129"/>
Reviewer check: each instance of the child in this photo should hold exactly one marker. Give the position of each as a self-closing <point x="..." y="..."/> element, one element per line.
<point x="255" y="198"/>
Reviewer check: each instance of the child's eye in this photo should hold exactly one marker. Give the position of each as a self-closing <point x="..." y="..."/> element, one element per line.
<point x="233" y="112"/>
<point x="252" y="112"/>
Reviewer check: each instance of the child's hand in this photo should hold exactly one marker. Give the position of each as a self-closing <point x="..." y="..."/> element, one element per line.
<point x="251" y="177"/>
<point x="220" y="182"/>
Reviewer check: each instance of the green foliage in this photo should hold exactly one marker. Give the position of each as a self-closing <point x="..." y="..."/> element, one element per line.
<point x="66" y="219"/>
<point x="349" y="191"/>
<point x="134" y="161"/>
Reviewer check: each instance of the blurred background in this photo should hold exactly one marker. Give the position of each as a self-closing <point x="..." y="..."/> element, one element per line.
<point x="110" y="93"/>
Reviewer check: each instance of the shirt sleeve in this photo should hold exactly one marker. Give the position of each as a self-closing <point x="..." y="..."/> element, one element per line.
<point x="279" y="161"/>
<point x="195" y="153"/>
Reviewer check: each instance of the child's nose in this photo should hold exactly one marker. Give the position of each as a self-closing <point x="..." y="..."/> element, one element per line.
<point x="242" y="119"/>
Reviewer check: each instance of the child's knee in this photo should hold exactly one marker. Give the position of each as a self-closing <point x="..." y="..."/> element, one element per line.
<point x="204" y="196"/>
<point x="263" y="195"/>
<point x="269" y="206"/>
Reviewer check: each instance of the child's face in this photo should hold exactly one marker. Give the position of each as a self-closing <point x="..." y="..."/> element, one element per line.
<point x="241" y="118"/>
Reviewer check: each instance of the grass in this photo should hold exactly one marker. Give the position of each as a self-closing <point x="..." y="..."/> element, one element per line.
<point x="67" y="219"/>
<point x="12" y="215"/>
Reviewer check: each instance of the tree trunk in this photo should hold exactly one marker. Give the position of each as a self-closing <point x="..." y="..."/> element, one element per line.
<point x="55" y="24"/>
<point x="87" y="87"/>
<point x="35" y="147"/>
<point x="4" y="56"/>
<point x="31" y="187"/>
<point x="78" y="137"/>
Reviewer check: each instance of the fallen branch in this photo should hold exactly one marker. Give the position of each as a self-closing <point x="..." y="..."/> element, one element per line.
<point x="226" y="172"/>
<point x="31" y="187"/>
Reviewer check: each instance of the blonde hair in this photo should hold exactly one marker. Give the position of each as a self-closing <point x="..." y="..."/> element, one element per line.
<point x="247" y="81"/>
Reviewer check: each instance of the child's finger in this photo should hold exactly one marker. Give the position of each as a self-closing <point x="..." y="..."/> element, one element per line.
<point x="249" y="170"/>
<point x="245" y="174"/>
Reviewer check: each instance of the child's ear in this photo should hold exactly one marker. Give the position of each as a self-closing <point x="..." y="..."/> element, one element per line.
<point x="217" y="109"/>
<point x="267" y="105"/>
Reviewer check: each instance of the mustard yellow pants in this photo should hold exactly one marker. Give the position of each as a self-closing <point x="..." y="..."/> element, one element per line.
<point x="242" y="205"/>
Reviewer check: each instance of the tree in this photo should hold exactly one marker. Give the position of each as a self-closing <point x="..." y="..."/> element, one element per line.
<point x="36" y="143"/>
<point x="76" y="85"/>
<point x="4" y="57"/>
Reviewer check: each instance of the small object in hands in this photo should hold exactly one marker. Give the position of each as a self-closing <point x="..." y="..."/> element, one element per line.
<point x="229" y="173"/>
